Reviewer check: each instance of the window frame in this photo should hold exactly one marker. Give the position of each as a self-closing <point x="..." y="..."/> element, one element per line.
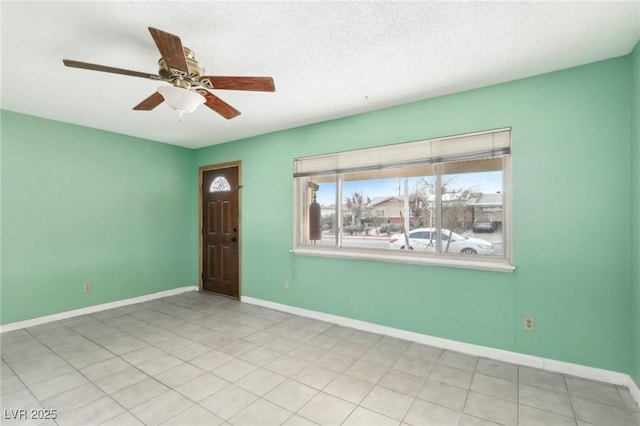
<point x="503" y="263"/>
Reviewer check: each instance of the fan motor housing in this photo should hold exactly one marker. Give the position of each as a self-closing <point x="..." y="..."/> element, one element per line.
<point x="195" y="68"/>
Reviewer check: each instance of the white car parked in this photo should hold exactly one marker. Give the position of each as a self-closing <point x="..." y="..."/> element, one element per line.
<point x="425" y="239"/>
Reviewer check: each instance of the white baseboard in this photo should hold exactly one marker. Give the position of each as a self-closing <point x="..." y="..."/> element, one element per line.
<point x="93" y="309"/>
<point x="577" y="370"/>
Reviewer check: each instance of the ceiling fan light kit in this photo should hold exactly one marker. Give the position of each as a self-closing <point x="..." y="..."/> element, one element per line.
<point x="189" y="87"/>
<point x="181" y="100"/>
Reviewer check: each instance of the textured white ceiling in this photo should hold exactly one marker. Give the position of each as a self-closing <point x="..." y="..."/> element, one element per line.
<point x="328" y="59"/>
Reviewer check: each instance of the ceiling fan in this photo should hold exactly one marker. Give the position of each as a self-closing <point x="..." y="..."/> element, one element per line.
<point x="180" y="68"/>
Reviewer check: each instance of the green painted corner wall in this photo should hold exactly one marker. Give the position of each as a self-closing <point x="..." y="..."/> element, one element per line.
<point x="571" y="179"/>
<point x="635" y="214"/>
<point x="82" y="205"/>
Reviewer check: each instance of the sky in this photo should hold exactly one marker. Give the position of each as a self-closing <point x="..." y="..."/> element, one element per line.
<point x="485" y="182"/>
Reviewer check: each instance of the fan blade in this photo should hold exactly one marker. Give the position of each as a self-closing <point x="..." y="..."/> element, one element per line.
<point x="103" y="68"/>
<point x="170" y="48"/>
<point x="259" y="84"/>
<point x="219" y="106"/>
<point x="150" y="103"/>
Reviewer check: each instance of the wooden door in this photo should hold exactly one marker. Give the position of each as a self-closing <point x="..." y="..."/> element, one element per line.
<point x="220" y="233"/>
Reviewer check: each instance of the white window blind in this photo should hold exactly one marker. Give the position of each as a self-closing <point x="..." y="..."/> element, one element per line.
<point x="491" y="144"/>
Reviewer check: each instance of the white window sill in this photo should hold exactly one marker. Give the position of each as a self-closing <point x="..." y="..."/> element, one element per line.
<point x="466" y="262"/>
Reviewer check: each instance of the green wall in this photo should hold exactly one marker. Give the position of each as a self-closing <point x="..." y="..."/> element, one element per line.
<point x="635" y="214"/>
<point x="571" y="179"/>
<point x="82" y="205"/>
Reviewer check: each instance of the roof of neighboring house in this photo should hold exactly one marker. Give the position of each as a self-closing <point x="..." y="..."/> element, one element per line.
<point x="475" y="199"/>
<point x="453" y="196"/>
<point x="486" y="199"/>
<point x="380" y="200"/>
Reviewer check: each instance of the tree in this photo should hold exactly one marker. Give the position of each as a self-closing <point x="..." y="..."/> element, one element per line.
<point x="427" y="187"/>
<point x="454" y="204"/>
<point x="418" y="203"/>
<point x="356" y="204"/>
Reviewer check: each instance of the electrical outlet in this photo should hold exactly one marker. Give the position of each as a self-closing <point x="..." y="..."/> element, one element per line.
<point x="286" y="285"/>
<point x="86" y="287"/>
<point x="529" y="324"/>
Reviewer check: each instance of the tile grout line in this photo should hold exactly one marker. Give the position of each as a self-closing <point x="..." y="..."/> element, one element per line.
<point x="81" y="373"/>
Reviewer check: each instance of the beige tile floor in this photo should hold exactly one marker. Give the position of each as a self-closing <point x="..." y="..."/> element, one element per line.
<point x="200" y="359"/>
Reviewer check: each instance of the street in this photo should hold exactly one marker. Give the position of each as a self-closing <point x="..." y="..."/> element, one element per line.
<point x="376" y="242"/>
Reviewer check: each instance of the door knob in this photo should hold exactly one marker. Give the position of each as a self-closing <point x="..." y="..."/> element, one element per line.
<point x="234" y="239"/>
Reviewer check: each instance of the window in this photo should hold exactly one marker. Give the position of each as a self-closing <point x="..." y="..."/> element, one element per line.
<point x="220" y="184"/>
<point x="393" y="202"/>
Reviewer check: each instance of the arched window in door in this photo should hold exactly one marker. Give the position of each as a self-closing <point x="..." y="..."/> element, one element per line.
<point x="220" y="184"/>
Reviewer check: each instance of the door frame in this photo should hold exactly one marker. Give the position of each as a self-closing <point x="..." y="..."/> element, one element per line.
<point x="201" y="171"/>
